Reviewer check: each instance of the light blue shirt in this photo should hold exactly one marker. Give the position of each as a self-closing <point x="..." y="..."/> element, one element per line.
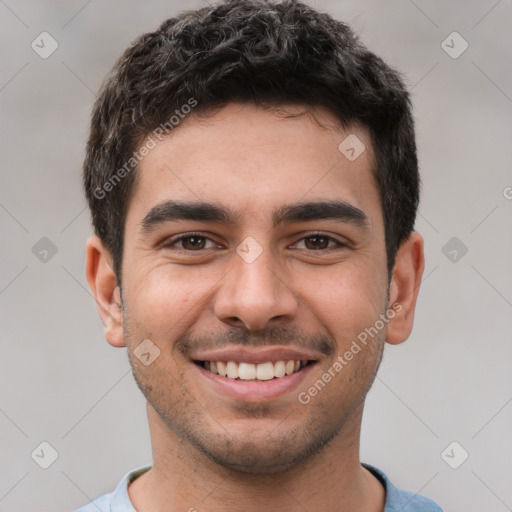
<point x="397" y="500"/>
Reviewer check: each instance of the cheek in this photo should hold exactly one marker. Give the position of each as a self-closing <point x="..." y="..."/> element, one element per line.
<point x="164" y="299"/>
<point x="347" y="302"/>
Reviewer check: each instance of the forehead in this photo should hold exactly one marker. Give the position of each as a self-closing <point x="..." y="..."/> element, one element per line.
<point x="256" y="160"/>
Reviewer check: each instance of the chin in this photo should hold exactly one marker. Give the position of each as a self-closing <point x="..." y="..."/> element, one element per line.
<point x="255" y="463"/>
<point x="267" y="454"/>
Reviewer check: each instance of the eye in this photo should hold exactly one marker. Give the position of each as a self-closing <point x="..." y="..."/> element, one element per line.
<point x="192" y="242"/>
<point x="196" y="242"/>
<point x="320" y="242"/>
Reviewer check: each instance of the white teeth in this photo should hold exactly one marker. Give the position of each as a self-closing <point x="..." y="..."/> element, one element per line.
<point x="221" y="368"/>
<point x="279" y="369"/>
<point x="249" y="371"/>
<point x="265" y="371"/>
<point x="246" y="371"/>
<point x="290" y="367"/>
<point x="232" y="369"/>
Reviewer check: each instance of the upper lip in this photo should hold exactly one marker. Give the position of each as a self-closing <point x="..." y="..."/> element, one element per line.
<point x="256" y="356"/>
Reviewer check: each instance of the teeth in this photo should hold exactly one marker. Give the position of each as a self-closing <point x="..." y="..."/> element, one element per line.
<point x="232" y="369"/>
<point x="246" y="371"/>
<point x="221" y="369"/>
<point x="279" y="369"/>
<point x="249" y="371"/>
<point x="265" y="371"/>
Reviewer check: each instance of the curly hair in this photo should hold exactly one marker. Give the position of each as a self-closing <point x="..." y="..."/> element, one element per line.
<point x="267" y="53"/>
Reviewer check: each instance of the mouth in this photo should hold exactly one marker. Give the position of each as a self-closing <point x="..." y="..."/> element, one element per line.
<point x="245" y="371"/>
<point x="253" y="382"/>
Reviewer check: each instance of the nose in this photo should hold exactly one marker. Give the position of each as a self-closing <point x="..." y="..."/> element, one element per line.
<point x="255" y="295"/>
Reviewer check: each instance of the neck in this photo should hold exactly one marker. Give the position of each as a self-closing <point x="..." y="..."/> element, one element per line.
<point x="182" y="479"/>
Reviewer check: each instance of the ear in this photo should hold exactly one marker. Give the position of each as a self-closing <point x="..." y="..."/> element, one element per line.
<point x="404" y="288"/>
<point x="103" y="284"/>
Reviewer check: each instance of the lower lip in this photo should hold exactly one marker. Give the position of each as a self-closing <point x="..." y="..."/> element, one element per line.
<point x="256" y="391"/>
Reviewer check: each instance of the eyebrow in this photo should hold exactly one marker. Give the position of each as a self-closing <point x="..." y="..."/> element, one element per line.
<point x="169" y="211"/>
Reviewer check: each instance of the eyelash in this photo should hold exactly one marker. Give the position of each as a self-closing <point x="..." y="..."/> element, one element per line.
<point x="171" y="243"/>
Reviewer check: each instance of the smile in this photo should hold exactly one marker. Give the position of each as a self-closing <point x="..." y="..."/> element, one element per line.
<point x="254" y="372"/>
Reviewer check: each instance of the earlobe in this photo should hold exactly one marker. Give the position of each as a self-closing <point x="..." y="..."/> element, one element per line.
<point x="404" y="288"/>
<point x="103" y="284"/>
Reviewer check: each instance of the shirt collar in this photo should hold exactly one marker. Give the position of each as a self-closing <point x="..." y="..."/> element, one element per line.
<point x="121" y="500"/>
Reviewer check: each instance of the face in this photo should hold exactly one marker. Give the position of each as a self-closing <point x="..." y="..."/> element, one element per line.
<point x="254" y="279"/>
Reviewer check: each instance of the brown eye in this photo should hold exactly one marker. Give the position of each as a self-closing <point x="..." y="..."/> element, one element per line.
<point x="317" y="242"/>
<point x="320" y="242"/>
<point x="193" y="242"/>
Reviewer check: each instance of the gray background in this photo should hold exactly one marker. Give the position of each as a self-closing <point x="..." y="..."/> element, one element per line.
<point x="62" y="383"/>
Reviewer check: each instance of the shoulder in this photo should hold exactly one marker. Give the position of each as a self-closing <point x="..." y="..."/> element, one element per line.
<point x="406" y="501"/>
<point x="101" y="503"/>
<point x="118" y="500"/>
<point x="400" y="499"/>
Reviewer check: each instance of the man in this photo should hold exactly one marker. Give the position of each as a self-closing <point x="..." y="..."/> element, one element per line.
<point x="253" y="181"/>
